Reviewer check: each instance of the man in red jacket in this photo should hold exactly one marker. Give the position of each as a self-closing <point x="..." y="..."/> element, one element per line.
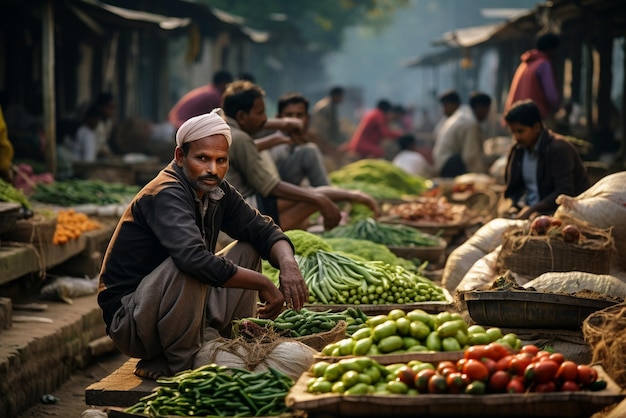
<point x="534" y="78"/>
<point x="372" y="130"/>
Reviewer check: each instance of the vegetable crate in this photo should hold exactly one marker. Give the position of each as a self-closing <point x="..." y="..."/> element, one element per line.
<point x="581" y="404"/>
<point x="9" y="214"/>
<point x="530" y="309"/>
<point x="532" y="256"/>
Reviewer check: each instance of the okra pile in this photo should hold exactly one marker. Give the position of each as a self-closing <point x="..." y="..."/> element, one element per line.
<point x="217" y="391"/>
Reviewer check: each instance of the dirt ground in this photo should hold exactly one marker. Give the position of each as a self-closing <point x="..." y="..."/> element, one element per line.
<point x="71" y="395"/>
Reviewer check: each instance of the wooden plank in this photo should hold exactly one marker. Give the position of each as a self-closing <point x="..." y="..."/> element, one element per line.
<point x="16" y="261"/>
<point x="121" y="388"/>
<point x="47" y="59"/>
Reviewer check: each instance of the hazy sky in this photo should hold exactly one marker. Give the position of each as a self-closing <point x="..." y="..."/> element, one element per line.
<point x="373" y="62"/>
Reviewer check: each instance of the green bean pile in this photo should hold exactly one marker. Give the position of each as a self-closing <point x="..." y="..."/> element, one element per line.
<point x="385" y="234"/>
<point x="218" y="391"/>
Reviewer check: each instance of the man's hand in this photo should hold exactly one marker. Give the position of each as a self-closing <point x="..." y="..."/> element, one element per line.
<point x="273" y="301"/>
<point x="330" y="212"/>
<point x="292" y="285"/>
<point x="294" y="128"/>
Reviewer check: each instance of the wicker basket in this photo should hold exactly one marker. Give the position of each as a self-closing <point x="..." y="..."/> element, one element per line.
<point x="322" y="339"/>
<point x="529" y="309"/>
<point x="532" y="256"/>
<point x="36" y="230"/>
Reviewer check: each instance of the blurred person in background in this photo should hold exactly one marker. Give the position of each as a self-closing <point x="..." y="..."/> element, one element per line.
<point x="458" y="146"/>
<point x="410" y="159"/>
<point x="84" y="146"/>
<point x="541" y="165"/>
<point x="325" y="120"/>
<point x="534" y="78"/>
<point x="366" y="142"/>
<point x="299" y="160"/>
<point x="200" y="100"/>
<point x="104" y="131"/>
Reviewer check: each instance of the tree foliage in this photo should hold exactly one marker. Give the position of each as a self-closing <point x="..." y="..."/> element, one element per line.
<point x="320" y="23"/>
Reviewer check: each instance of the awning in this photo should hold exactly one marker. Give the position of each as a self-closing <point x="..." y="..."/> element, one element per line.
<point x="468" y="37"/>
<point x="93" y="12"/>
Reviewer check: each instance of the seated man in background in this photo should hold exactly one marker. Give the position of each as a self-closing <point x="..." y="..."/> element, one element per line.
<point x="458" y="145"/>
<point x="163" y="290"/>
<point x="258" y="180"/>
<point x="541" y="165"/>
<point x="298" y="159"/>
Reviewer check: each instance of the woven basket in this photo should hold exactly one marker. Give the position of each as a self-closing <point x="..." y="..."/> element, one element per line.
<point x="532" y="256"/>
<point x="36" y="230"/>
<point x="9" y="214"/>
<point x="322" y="339"/>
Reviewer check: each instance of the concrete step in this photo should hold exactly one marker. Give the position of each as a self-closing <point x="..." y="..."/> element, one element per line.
<point x="37" y="356"/>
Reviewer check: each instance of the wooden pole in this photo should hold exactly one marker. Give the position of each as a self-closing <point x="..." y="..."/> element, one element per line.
<point x="49" y="108"/>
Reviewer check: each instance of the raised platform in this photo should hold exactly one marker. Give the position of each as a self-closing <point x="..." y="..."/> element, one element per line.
<point x="121" y="388"/>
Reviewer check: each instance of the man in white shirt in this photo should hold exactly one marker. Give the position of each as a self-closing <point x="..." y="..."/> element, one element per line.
<point x="410" y="159"/>
<point x="459" y="142"/>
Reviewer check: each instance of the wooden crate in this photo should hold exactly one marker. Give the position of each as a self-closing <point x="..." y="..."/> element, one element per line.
<point x="581" y="404"/>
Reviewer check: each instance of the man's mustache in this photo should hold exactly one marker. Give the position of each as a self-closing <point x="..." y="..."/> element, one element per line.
<point x="209" y="177"/>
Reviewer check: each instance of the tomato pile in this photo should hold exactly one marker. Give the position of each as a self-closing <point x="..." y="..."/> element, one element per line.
<point x="493" y="368"/>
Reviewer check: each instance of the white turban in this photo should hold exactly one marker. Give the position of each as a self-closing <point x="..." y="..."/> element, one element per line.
<point x="202" y="126"/>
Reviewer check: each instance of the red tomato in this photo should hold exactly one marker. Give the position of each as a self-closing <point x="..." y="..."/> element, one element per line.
<point x="460" y="364"/>
<point x="542" y="354"/>
<point x="457" y="382"/>
<point x="586" y="375"/>
<point x="530" y="348"/>
<point x="491" y="365"/>
<point x="568" y="370"/>
<point x="549" y="386"/>
<point x="437" y="384"/>
<point x="541" y="372"/>
<point x="445" y="365"/>
<point x="519" y="363"/>
<point x="476" y="352"/>
<point x="570" y="386"/>
<point x="516" y="385"/>
<point x="499" y="381"/>
<point x="503" y="363"/>
<point x="406" y="375"/>
<point x="496" y="351"/>
<point x="476" y="370"/>
<point x="558" y="357"/>
<point x="421" y="379"/>
<point x="446" y="371"/>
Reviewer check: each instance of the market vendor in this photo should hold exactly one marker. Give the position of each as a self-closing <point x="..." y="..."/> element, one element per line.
<point x="541" y="165"/>
<point x="163" y="290"/>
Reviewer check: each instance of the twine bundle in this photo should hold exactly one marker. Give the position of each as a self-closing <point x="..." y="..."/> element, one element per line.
<point x="604" y="331"/>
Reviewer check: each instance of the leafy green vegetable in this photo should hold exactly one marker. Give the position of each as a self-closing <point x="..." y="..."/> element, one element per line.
<point x="379" y="172"/>
<point x="305" y="242"/>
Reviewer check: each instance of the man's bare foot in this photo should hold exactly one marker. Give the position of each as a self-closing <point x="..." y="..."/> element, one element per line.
<point x="153" y="368"/>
